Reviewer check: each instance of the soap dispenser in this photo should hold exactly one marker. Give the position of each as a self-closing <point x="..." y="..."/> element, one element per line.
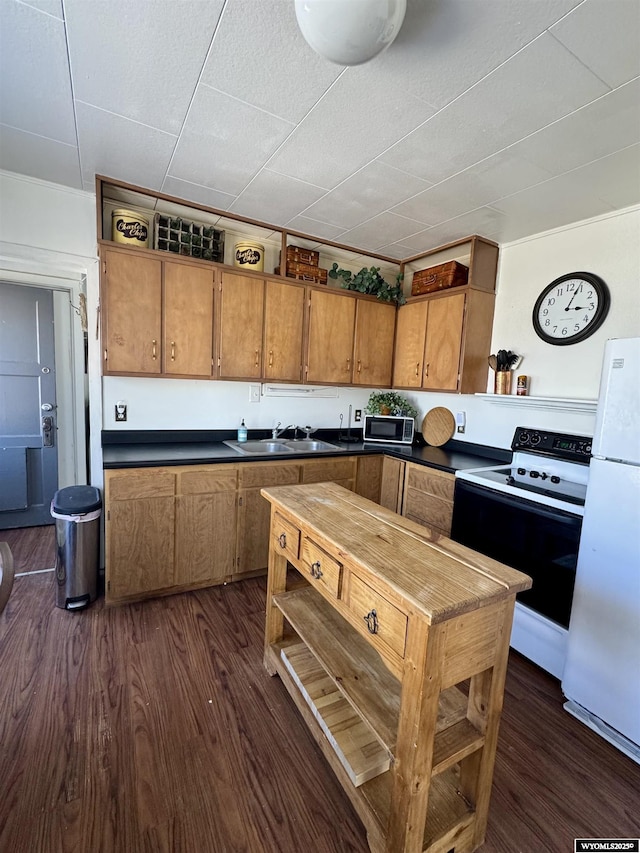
<point x="242" y="432"/>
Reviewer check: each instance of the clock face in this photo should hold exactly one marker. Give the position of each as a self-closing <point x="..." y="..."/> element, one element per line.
<point x="571" y="308"/>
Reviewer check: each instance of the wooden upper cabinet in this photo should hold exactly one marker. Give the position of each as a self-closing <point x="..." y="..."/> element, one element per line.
<point x="373" y="348"/>
<point x="240" y="316"/>
<point x="331" y="331"/>
<point x="188" y="320"/>
<point x="283" y="331"/>
<point x="131" y="312"/>
<point x="411" y="330"/>
<point x="443" y="343"/>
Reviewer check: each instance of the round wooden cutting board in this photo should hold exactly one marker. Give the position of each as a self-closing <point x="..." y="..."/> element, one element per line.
<point x="438" y="426"/>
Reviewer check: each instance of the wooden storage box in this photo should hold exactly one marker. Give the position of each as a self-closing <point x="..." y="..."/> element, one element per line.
<point x="298" y="255"/>
<point x="441" y="277"/>
<point x="305" y="272"/>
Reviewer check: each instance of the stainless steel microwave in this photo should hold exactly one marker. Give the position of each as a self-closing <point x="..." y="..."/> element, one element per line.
<point x="388" y="429"/>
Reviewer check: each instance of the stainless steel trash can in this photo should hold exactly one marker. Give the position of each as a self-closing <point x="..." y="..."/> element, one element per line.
<point x="77" y="511"/>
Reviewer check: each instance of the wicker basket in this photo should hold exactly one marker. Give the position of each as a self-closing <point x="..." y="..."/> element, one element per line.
<point x="451" y="274"/>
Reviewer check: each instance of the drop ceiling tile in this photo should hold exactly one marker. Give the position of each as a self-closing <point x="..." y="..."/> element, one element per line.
<point x="517" y="99"/>
<point x="347" y="129"/>
<point x="197" y="193"/>
<point x="123" y="149"/>
<point x="50" y="7"/>
<point x="382" y="229"/>
<point x="444" y="48"/>
<point x="275" y="198"/>
<point x="605" y="35"/>
<point x="225" y="142"/>
<point x="35" y="86"/>
<point x="136" y="62"/>
<point x="559" y="201"/>
<point x="484" y="221"/>
<point x="246" y="62"/>
<point x="497" y="176"/>
<point x="367" y="193"/>
<point x="609" y="124"/>
<point x="616" y="178"/>
<point x="314" y="227"/>
<point x="39" y="157"/>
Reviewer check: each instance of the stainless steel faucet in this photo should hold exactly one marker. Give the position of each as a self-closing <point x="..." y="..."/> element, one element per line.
<point x="276" y="433"/>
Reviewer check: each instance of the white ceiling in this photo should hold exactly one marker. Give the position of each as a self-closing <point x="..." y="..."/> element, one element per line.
<point x="497" y="117"/>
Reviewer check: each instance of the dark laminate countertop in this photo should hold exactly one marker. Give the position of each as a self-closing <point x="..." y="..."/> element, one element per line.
<point x="160" y="448"/>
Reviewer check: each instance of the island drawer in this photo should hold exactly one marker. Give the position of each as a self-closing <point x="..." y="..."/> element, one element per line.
<point x="376" y="615"/>
<point x="321" y="569"/>
<point x="286" y="537"/>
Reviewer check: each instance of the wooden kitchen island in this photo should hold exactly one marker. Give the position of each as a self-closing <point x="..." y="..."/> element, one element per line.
<point x="395" y="651"/>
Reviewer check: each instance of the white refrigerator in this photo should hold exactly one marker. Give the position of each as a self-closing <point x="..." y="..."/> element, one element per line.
<point x="601" y="679"/>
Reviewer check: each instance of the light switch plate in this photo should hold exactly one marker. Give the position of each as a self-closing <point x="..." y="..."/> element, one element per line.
<point x="254" y="393"/>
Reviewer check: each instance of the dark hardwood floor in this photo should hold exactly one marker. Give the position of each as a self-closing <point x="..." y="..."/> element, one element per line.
<point x="154" y="727"/>
<point x="33" y="548"/>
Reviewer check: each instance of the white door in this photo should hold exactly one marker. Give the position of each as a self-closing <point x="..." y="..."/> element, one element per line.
<point x="28" y="452"/>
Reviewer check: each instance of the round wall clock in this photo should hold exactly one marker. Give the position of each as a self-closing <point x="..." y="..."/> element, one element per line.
<point x="571" y="308"/>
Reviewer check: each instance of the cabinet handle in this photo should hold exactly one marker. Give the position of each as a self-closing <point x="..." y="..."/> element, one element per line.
<point x="270" y="358"/>
<point x="348" y="365"/>
<point x="417" y="368"/>
<point x="173" y="350"/>
<point x="426" y="369"/>
<point x="282" y="539"/>
<point x="153" y="349"/>
<point x="316" y="571"/>
<point x="359" y="365"/>
<point x="372" y="621"/>
<point x="257" y="351"/>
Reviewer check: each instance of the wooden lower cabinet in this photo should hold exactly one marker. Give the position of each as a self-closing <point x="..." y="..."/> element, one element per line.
<point x="369" y="477"/>
<point x="206" y="521"/>
<point x="392" y="484"/>
<point x="341" y="471"/>
<point x="139" y="532"/>
<point x="428" y="497"/>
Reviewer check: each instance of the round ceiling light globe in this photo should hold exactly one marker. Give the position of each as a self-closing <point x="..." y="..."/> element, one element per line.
<point x="350" y="32"/>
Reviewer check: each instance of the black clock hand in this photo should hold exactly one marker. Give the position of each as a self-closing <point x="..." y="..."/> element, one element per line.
<point x="575" y="293"/>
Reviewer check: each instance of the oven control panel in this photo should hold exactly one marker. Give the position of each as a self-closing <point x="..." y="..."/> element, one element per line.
<point x="575" y="448"/>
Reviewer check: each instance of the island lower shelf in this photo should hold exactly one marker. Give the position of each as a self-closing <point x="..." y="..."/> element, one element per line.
<point x="354" y="701"/>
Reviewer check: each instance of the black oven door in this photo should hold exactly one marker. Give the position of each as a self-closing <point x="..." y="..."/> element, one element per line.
<point x="531" y="537"/>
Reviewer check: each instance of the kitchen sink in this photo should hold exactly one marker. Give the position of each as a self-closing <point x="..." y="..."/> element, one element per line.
<point x="260" y="448"/>
<point x="281" y="447"/>
<point x="310" y="445"/>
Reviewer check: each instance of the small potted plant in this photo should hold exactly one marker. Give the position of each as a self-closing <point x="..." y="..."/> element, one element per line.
<point x="371" y="282"/>
<point x="389" y="403"/>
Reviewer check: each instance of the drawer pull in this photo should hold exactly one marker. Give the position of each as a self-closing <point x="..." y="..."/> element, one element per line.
<point x="372" y="621"/>
<point x="282" y="539"/>
<point x="316" y="571"/>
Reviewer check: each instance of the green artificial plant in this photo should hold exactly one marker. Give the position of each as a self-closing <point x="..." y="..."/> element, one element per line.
<point x="389" y="402"/>
<point x="369" y="281"/>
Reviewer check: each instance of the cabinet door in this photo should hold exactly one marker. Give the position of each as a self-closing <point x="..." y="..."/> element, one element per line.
<point x="408" y="360"/>
<point x="139" y="532"/>
<point x="188" y="320"/>
<point x="369" y="477"/>
<point x="241" y="309"/>
<point x="331" y="329"/>
<point x="254" y="510"/>
<point x="373" y="351"/>
<point x="444" y="343"/>
<point x="283" y="329"/>
<point x="131" y="312"/>
<point x="392" y="486"/>
<point x="206" y="522"/>
<point x="428" y="497"/>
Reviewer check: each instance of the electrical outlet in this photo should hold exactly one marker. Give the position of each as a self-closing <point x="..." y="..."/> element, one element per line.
<point x="254" y="393"/>
<point x="358" y="415"/>
<point x="121" y="411"/>
<point x="461" y="422"/>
